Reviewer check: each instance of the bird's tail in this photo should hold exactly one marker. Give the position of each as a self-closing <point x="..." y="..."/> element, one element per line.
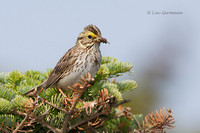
<point x="39" y="87"/>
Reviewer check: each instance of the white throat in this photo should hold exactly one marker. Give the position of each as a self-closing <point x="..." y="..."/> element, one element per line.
<point x="96" y="46"/>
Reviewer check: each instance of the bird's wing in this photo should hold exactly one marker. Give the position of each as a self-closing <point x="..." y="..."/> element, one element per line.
<point x="64" y="64"/>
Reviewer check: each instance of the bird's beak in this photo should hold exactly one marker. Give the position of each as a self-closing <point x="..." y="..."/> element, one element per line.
<point x="101" y="39"/>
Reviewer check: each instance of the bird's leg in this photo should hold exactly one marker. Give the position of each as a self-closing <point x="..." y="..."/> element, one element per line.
<point x="36" y="92"/>
<point x="66" y="98"/>
<point x="61" y="92"/>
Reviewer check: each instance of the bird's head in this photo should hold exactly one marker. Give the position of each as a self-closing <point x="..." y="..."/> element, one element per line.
<point x="90" y="36"/>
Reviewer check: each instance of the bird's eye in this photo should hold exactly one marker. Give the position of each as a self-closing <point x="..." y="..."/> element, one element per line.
<point x="89" y="36"/>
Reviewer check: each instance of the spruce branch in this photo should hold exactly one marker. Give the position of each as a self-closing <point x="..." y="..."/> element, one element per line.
<point x="156" y="122"/>
<point x="159" y="121"/>
<point x="40" y="120"/>
<point x="54" y="106"/>
<point x="97" y="113"/>
<point x="21" y="125"/>
<point x="2" y="129"/>
<point x="87" y="106"/>
<point x="129" y="113"/>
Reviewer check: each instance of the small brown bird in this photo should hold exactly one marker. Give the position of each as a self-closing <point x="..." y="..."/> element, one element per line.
<point x="84" y="57"/>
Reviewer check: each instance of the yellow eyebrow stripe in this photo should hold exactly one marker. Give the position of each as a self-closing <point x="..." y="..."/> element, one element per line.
<point x="91" y="33"/>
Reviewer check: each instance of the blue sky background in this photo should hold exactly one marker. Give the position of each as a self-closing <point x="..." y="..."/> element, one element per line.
<point x="164" y="49"/>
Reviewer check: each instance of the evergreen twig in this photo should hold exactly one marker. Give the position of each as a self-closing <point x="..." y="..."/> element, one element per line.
<point x="41" y="121"/>
<point x="101" y="103"/>
<point x="2" y="129"/>
<point x="54" y="106"/>
<point x="129" y="113"/>
<point x="21" y="125"/>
